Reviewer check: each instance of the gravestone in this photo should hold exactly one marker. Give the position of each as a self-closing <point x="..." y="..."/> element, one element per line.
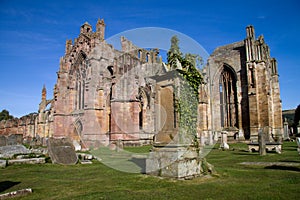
<point x="3" y="163"/>
<point x="3" y="140"/>
<point x="174" y="153"/>
<point x="224" y="144"/>
<point x="44" y="141"/>
<point x="262" y="142"/>
<point x="77" y="146"/>
<point x="298" y="143"/>
<point x="241" y="135"/>
<point x="62" y="151"/>
<point x="286" y="130"/>
<point x="168" y="131"/>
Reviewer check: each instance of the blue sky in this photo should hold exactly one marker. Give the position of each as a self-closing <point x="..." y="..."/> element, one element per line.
<point x="33" y="35"/>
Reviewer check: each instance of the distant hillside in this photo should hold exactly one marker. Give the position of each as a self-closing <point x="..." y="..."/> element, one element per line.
<point x="289" y="115"/>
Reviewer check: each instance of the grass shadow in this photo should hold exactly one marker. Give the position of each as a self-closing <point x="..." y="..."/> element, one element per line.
<point x="290" y="168"/>
<point x="245" y="153"/>
<point x="290" y="161"/>
<point x="141" y="162"/>
<point x="4" y="185"/>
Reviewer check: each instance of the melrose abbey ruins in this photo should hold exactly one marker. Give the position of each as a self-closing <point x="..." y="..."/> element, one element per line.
<point x="103" y="95"/>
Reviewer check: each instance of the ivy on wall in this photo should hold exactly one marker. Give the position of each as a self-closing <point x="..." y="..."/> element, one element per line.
<point x="187" y="100"/>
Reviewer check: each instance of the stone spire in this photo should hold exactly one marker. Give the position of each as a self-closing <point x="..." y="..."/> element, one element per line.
<point x="250" y="32"/>
<point x="86" y="28"/>
<point x="44" y="93"/>
<point x="68" y="47"/>
<point x="100" y="29"/>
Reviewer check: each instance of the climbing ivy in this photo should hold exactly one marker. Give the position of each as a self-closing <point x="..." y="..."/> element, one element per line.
<point x="187" y="102"/>
<point x="188" y="64"/>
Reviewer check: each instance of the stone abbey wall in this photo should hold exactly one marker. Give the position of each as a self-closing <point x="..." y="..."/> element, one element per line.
<point x="244" y="89"/>
<point x="104" y="95"/>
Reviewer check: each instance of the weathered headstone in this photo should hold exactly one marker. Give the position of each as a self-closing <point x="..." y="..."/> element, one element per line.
<point x="44" y="141"/>
<point x="224" y="144"/>
<point x="62" y="151"/>
<point x="174" y="153"/>
<point x="240" y="135"/>
<point x="77" y="146"/>
<point x="298" y="143"/>
<point x="3" y="140"/>
<point x="261" y="142"/>
<point x="3" y="163"/>
<point x="286" y="130"/>
<point x="167" y="133"/>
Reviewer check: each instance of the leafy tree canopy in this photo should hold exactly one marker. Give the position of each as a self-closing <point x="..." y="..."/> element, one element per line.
<point x="4" y="115"/>
<point x="188" y="64"/>
<point x="297" y="115"/>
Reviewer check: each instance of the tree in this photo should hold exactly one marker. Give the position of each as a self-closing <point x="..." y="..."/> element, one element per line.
<point x="174" y="49"/>
<point x="4" y="115"/>
<point x="296" y="118"/>
<point x="187" y="102"/>
<point x="188" y="64"/>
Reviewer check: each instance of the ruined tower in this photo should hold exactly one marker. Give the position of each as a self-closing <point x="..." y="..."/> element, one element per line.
<point x="100" y="29"/>
<point x="244" y="89"/>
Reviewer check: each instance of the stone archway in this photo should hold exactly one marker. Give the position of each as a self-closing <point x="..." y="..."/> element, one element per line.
<point x="228" y="98"/>
<point x="76" y="130"/>
<point x="144" y="105"/>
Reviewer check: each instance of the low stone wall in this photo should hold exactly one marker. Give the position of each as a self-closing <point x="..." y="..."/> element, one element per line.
<point x="269" y="147"/>
<point x="27" y="161"/>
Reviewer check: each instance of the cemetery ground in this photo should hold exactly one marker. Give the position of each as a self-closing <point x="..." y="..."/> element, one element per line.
<point x="97" y="181"/>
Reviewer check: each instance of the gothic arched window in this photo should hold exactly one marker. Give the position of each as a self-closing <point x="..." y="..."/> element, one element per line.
<point x="228" y="98"/>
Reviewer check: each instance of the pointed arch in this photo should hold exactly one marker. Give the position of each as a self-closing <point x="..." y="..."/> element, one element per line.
<point x="76" y="130"/>
<point x="228" y="97"/>
<point x="144" y="98"/>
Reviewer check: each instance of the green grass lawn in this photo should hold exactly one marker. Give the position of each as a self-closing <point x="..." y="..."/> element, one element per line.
<point x="97" y="181"/>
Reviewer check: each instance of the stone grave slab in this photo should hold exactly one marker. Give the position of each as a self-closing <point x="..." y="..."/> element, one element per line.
<point x="11" y="150"/>
<point x="62" y="151"/>
<point x="27" y="161"/>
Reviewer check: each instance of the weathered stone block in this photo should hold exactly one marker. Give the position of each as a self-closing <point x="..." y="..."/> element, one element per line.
<point x="62" y="151"/>
<point x="175" y="162"/>
<point x="3" y="163"/>
<point x="27" y="161"/>
<point x="11" y="150"/>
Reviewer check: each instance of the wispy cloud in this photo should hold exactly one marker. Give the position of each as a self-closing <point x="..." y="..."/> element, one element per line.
<point x="15" y="94"/>
<point x="261" y="17"/>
